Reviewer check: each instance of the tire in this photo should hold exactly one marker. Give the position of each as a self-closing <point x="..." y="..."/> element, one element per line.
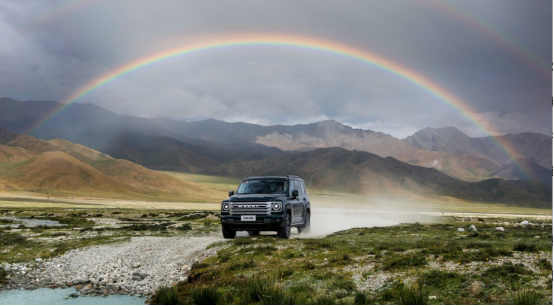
<point x="306" y="228"/>
<point x="253" y="233"/>
<point x="284" y="231"/>
<point x="228" y="233"/>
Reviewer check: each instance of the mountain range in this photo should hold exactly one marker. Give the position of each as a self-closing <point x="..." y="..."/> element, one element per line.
<point x="60" y="167"/>
<point x="212" y="146"/>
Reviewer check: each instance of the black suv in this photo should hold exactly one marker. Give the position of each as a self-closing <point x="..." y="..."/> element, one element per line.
<point x="268" y="203"/>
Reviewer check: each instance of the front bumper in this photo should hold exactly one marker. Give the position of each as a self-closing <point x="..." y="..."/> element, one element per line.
<point x="262" y="223"/>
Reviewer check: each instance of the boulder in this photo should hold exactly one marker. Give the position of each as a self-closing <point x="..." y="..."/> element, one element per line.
<point x="461" y="229"/>
<point x="500" y="228"/>
<point x="472" y="228"/>
<point x="525" y="223"/>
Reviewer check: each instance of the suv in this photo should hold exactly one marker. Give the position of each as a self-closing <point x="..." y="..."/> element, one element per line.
<point x="268" y="203"/>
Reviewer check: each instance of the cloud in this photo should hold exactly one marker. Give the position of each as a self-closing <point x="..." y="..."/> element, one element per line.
<point x="47" y="53"/>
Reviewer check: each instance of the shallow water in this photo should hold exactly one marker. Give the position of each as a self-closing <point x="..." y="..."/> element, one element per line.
<point x="47" y="296"/>
<point x="30" y="222"/>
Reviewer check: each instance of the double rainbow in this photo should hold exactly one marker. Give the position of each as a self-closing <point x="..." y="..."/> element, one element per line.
<point x="307" y="43"/>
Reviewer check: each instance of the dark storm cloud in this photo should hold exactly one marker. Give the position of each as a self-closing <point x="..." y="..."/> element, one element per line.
<point x="48" y="58"/>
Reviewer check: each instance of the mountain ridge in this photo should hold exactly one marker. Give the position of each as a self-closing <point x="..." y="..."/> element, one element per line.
<point x="195" y="146"/>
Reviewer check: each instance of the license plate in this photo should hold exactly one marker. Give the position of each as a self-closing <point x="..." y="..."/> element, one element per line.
<point x="247" y="218"/>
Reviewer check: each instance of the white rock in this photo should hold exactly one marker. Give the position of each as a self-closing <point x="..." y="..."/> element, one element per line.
<point x="525" y="223"/>
<point x="432" y="297"/>
<point x="472" y="228"/>
<point x="500" y="228"/>
<point x="38" y="259"/>
<point x="461" y="229"/>
<point x="537" y="237"/>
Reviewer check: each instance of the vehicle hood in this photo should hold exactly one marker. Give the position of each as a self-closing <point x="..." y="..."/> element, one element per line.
<point x="256" y="197"/>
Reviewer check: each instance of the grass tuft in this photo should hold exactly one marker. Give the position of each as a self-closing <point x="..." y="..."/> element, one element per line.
<point x="257" y="287"/>
<point x="526" y="297"/>
<point x="361" y="298"/>
<point x="208" y="295"/>
<point x="165" y="296"/>
<point x="410" y="295"/>
<point x="323" y="300"/>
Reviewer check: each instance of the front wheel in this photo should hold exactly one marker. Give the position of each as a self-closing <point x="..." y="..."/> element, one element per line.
<point x="306" y="228"/>
<point x="284" y="231"/>
<point x="228" y="233"/>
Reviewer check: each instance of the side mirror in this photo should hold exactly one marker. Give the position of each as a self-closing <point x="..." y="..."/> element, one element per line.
<point x="295" y="194"/>
<point x="232" y="192"/>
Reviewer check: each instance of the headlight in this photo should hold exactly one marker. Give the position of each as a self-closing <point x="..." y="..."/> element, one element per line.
<point x="276" y="206"/>
<point x="225" y="206"/>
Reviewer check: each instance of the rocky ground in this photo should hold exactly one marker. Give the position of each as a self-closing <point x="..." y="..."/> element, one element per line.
<point x="136" y="267"/>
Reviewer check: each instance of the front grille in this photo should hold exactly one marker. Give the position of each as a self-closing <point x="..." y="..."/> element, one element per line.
<point x="250" y="208"/>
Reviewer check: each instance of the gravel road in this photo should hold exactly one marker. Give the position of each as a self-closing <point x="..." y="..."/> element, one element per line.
<point x="137" y="267"/>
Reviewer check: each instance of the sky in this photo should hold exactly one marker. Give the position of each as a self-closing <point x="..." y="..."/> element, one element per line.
<point x="495" y="56"/>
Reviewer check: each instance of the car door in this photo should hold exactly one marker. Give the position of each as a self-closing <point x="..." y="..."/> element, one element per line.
<point x="297" y="204"/>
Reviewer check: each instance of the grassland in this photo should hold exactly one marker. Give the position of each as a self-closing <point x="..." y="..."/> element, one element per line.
<point x="85" y="227"/>
<point x="407" y="263"/>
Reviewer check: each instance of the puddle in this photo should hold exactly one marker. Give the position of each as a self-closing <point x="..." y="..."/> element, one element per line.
<point x="47" y="296"/>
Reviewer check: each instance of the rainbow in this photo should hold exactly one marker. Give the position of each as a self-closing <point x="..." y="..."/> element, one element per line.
<point x="507" y="41"/>
<point x="307" y="43"/>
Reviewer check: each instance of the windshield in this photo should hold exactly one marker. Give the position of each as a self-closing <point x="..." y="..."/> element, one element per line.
<point x="263" y="186"/>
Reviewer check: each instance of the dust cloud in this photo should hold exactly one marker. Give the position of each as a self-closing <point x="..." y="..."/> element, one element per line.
<point x="327" y="219"/>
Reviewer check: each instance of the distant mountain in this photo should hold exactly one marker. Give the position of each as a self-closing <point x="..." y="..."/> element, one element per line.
<point x="143" y="140"/>
<point x="61" y="167"/>
<point x="522" y="169"/>
<point x="160" y="143"/>
<point x="534" y="148"/>
<point x="342" y="170"/>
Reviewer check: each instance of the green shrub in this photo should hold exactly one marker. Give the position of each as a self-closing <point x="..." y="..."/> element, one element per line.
<point x="323" y="300"/>
<point x="525" y="247"/>
<point x="3" y="274"/>
<point x="410" y="295"/>
<point x="192" y="217"/>
<point x="440" y="279"/>
<point x="526" y="297"/>
<point x="309" y="265"/>
<point x="545" y="264"/>
<point x="410" y="260"/>
<point x="361" y="298"/>
<point x="184" y="227"/>
<point x="205" y="295"/>
<point x="506" y="272"/>
<point x="165" y="296"/>
<point x="245" y="264"/>
<point x="344" y="284"/>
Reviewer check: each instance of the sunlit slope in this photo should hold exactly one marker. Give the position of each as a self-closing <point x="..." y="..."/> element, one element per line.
<point x="59" y="171"/>
<point x="340" y="170"/>
<point x="61" y="167"/>
<point x="137" y="176"/>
